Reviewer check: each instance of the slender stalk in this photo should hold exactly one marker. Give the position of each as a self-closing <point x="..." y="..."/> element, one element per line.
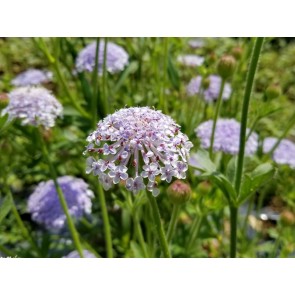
<point x="173" y="222"/>
<point x="233" y="231"/>
<point x="162" y="101"/>
<point x="106" y="222"/>
<point x="219" y="101"/>
<point x="249" y="85"/>
<point x="195" y="229"/>
<point x="95" y="85"/>
<point x="21" y="225"/>
<point x="105" y="100"/>
<point x="62" y="200"/>
<point x="159" y="226"/>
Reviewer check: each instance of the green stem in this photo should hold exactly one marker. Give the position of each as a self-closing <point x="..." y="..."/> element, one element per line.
<point x="233" y="231"/>
<point x="104" y="79"/>
<point x="249" y="85"/>
<point x="62" y="200"/>
<point x="173" y="222"/>
<point x="106" y="222"/>
<point x="159" y="226"/>
<point x="21" y="225"/>
<point x="219" y="101"/>
<point x="95" y="85"/>
<point x="162" y="101"/>
<point x="7" y="252"/>
<point x="195" y="229"/>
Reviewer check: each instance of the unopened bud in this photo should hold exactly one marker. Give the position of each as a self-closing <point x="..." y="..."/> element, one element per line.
<point x="3" y="100"/>
<point x="237" y="53"/>
<point x="226" y="66"/>
<point x="179" y="192"/>
<point x="287" y="218"/>
<point x="206" y="83"/>
<point x="273" y="91"/>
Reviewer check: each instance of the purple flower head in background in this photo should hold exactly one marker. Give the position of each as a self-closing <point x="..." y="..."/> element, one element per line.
<point x="137" y="145"/>
<point x="196" y="43"/>
<point x="117" y="58"/>
<point x="44" y="204"/>
<point x="75" y="254"/>
<point x="32" y="77"/>
<point x="226" y="137"/>
<point x="283" y="154"/>
<point x="191" y="60"/>
<point x="212" y="92"/>
<point x="33" y="106"/>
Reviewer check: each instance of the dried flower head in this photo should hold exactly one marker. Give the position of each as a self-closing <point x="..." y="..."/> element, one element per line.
<point x="137" y="145"/>
<point x="191" y="60"/>
<point x="116" y="58"/>
<point x="212" y="91"/>
<point x="33" y="106"/>
<point x="283" y="154"/>
<point x="32" y="77"/>
<point x="75" y="254"/>
<point x="226" y="137"/>
<point x="44" y="204"/>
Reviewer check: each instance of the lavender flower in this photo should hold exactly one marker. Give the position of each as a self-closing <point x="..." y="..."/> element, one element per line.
<point x="131" y="136"/>
<point x="34" y="106"/>
<point x="75" y="254"/>
<point x="227" y="137"/>
<point x="117" y="58"/>
<point x="44" y="204"/>
<point x="283" y="154"/>
<point x="32" y="77"/>
<point x="212" y="92"/>
<point x="196" y="43"/>
<point x="191" y="60"/>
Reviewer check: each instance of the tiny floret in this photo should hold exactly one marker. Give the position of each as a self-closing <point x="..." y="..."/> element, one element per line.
<point x="284" y="154"/>
<point x="32" y="77"/>
<point x="226" y="137"/>
<point x="116" y="58"/>
<point x="33" y="106"/>
<point x="196" y="43"/>
<point x="137" y="146"/>
<point x="191" y="60"/>
<point x="211" y="92"/>
<point x="45" y="207"/>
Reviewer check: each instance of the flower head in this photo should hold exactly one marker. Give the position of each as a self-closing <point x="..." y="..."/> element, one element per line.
<point x="32" y="77"/>
<point x="75" y="254"/>
<point x="226" y="137"/>
<point x="137" y="145"/>
<point x="33" y="106"/>
<point x="211" y="93"/>
<point x="191" y="60"/>
<point x="283" y="154"/>
<point x="116" y="58"/>
<point x="196" y="43"/>
<point x="44" y="204"/>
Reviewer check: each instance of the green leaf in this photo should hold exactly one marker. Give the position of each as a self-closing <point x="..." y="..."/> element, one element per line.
<point x="5" y="208"/>
<point x="252" y="181"/>
<point x="231" y="169"/>
<point x="204" y="162"/>
<point x="173" y="74"/>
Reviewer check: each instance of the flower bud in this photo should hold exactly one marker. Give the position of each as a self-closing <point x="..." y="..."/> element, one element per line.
<point x="273" y="91"/>
<point x="206" y="83"/>
<point x="179" y="192"/>
<point x="237" y="53"/>
<point x="226" y="66"/>
<point x="3" y="100"/>
<point x="287" y="218"/>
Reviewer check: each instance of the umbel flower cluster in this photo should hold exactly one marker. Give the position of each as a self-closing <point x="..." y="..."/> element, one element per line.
<point x="45" y="207"/>
<point x="283" y="154"/>
<point x="191" y="60"/>
<point x="226" y="137"/>
<point x="33" y="106"/>
<point x="137" y="145"/>
<point x="116" y="58"/>
<point x="212" y="91"/>
<point x="32" y="77"/>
